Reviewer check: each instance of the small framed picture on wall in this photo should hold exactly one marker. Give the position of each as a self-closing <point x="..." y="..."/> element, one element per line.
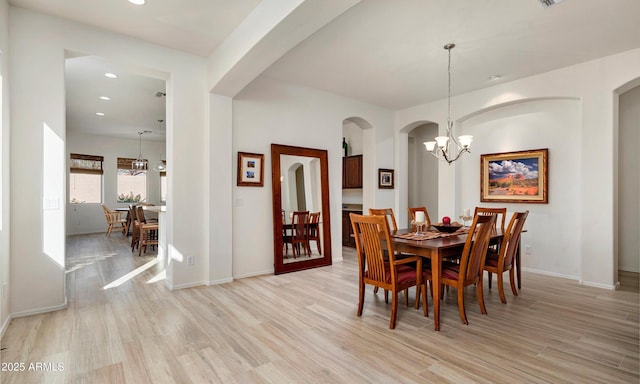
<point x="385" y="178"/>
<point x="250" y="169"/>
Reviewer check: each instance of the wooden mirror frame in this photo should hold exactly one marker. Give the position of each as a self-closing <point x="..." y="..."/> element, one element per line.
<point x="278" y="257"/>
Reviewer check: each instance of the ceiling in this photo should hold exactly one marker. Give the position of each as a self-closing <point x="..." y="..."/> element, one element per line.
<point x="388" y="53"/>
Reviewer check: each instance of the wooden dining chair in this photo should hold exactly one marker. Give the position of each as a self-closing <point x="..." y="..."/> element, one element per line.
<point x="412" y="216"/>
<point x="313" y="231"/>
<point x="114" y="220"/>
<point x="387" y="213"/>
<point x="504" y="260"/>
<point x="470" y="269"/>
<point x="298" y="237"/>
<point x="147" y="232"/>
<point x="392" y="275"/>
<point x="500" y="212"/>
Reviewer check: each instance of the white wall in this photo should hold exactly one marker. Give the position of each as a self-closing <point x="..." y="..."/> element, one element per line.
<point x="593" y="84"/>
<point x="533" y="125"/>
<point x="38" y="53"/>
<point x="423" y="171"/>
<point x="628" y="187"/>
<point x="4" y="167"/>
<point x="269" y="112"/>
<point x="89" y="218"/>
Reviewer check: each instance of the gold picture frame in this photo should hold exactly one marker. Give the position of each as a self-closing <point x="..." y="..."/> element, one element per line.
<point x="515" y="177"/>
<point x="250" y="169"/>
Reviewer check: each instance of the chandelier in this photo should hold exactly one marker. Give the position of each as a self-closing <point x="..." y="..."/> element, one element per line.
<point x="139" y="163"/>
<point x="160" y="166"/>
<point x="447" y="148"/>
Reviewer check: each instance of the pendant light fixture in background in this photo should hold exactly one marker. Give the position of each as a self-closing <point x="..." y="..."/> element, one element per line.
<point x="139" y="163"/>
<point x="441" y="148"/>
<point x="160" y="165"/>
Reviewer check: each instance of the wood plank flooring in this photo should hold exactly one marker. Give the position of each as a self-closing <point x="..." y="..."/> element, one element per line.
<point x="302" y="328"/>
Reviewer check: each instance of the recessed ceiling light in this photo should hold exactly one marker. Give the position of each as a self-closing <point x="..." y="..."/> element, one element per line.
<point x="99" y="113"/>
<point x="137" y="2"/>
<point x="111" y="75"/>
<point x="104" y="98"/>
<point x="495" y="77"/>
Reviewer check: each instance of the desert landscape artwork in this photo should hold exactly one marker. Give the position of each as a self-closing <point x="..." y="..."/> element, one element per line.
<point x="515" y="176"/>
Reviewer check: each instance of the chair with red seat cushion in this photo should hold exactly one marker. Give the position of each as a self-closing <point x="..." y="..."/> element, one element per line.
<point x="503" y="261"/>
<point x="469" y="270"/>
<point x="393" y="274"/>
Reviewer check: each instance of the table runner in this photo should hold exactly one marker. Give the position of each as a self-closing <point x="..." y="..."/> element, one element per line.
<point x="430" y="235"/>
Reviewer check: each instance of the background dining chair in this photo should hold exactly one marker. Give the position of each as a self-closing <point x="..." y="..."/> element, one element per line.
<point x="313" y="231"/>
<point x="391" y="275"/>
<point x="412" y="216"/>
<point x="114" y="220"/>
<point x="469" y="271"/>
<point x="501" y="214"/>
<point x="388" y="214"/>
<point x="298" y="238"/>
<point x="504" y="260"/>
<point x="147" y="232"/>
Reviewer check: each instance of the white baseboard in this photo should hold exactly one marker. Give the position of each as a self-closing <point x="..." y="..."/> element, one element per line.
<point x="183" y="286"/>
<point x="5" y="325"/>
<point x="554" y="274"/>
<point x="253" y="274"/>
<point x="220" y="281"/>
<point x="610" y="287"/>
<point x="570" y="277"/>
<point x="38" y="311"/>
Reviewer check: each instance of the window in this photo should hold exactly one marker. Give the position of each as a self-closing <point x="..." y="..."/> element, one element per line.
<point x="132" y="183"/>
<point x="85" y="179"/>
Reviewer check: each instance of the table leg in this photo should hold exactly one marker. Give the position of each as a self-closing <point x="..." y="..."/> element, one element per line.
<point x="436" y="271"/>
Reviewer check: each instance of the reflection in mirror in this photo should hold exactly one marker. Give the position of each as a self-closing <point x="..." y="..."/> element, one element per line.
<point x="301" y="208"/>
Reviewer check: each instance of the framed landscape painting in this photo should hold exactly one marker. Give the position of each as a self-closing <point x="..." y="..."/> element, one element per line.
<point x="515" y="177"/>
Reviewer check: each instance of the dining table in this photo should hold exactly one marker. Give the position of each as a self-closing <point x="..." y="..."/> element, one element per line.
<point x="437" y="247"/>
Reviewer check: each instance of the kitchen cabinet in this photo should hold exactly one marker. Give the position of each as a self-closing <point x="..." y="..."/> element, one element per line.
<point x="347" y="230"/>
<point x="352" y="172"/>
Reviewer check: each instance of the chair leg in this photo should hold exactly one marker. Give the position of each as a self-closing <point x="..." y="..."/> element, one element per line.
<point x="490" y="278"/>
<point x="360" y="298"/>
<point x="386" y="296"/>
<point x="406" y="297"/>
<point x="483" y="309"/>
<point x="422" y="291"/>
<point x="375" y="289"/>
<point x="109" y="228"/>
<point x="394" y="310"/>
<point x="463" y="314"/>
<point x="512" y="281"/>
<point x="501" y="289"/>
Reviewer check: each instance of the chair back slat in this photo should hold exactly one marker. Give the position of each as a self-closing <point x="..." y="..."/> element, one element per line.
<point x="475" y="248"/>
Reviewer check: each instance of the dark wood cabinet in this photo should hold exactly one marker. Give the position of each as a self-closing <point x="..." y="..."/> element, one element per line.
<point x="352" y="172"/>
<point x="347" y="230"/>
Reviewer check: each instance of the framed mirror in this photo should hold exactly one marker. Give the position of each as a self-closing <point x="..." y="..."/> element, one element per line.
<point x="301" y="217"/>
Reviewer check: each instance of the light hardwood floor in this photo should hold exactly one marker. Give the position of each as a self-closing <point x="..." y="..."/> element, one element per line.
<point x="302" y="328"/>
